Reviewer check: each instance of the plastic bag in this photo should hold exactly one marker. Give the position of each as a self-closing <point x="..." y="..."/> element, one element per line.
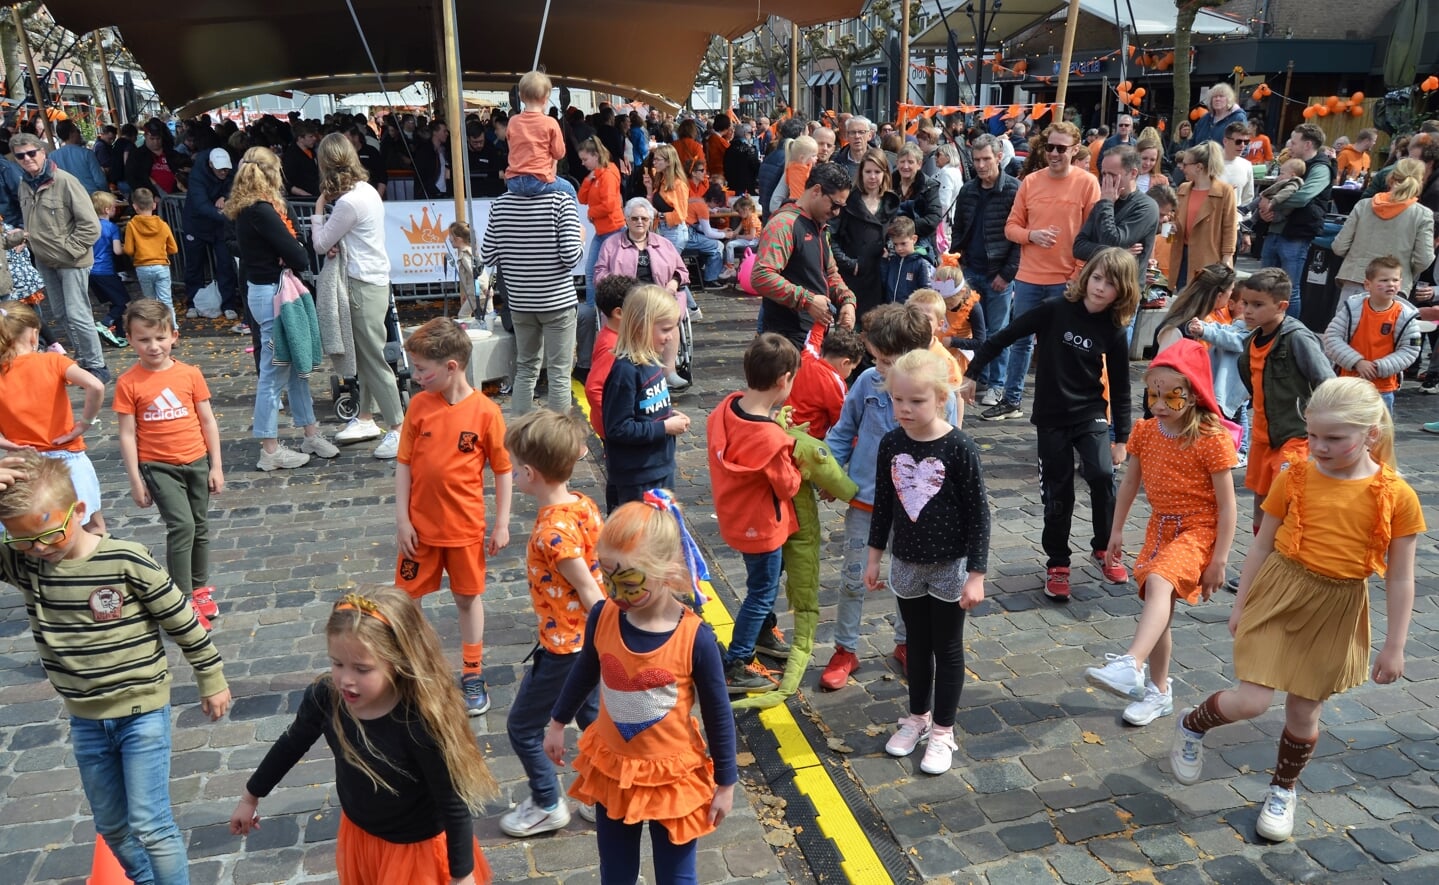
<point x="207" y="301"/>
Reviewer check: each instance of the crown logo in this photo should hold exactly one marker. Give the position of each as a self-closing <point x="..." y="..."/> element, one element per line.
<point x="425" y="232"/>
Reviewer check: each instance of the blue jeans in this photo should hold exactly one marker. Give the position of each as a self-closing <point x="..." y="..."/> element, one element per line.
<point x="761" y="587"/>
<point x="530" y="186"/>
<point x="530" y="714"/>
<point x="125" y="770"/>
<point x="619" y="847"/>
<point x="1388" y="402"/>
<point x="711" y="251"/>
<point x="996" y="315"/>
<point x="678" y="235"/>
<point x="851" y="584"/>
<point x="154" y="280"/>
<point x="587" y="326"/>
<point x="273" y="378"/>
<point x="1027" y="296"/>
<point x="1290" y="255"/>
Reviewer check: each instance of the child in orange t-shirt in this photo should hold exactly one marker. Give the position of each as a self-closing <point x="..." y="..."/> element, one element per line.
<point x="35" y="411"/>
<point x="610" y="295"/>
<point x="825" y="364"/>
<point x="451" y="432"/>
<point x="1376" y="335"/>
<point x="800" y="155"/>
<point x="536" y="143"/>
<point x="170" y="444"/>
<point x="563" y="571"/>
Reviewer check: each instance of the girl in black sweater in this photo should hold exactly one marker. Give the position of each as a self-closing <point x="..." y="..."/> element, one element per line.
<point x="268" y="246"/>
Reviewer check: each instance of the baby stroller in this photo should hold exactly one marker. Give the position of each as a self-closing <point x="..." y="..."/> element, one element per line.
<point x="346" y="391"/>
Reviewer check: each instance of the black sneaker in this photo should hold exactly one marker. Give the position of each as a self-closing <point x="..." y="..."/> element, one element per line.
<point x="742" y="678"/>
<point x="1002" y="411"/>
<point x="771" y="644"/>
<point x="1429" y="384"/>
<point x="1232" y="585"/>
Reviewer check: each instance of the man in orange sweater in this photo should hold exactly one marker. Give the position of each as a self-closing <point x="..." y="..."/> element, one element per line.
<point x="754" y="479"/>
<point x="1048" y="211"/>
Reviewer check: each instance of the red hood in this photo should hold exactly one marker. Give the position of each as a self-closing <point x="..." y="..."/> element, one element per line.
<point x="1191" y="359"/>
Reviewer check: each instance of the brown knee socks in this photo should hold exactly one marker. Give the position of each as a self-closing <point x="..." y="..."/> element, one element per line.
<point x="1206" y="716"/>
<point x="1294" y="754"/>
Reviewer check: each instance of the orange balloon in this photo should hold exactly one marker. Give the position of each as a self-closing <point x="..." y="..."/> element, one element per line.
<point x="1321" y="110"/>
<point x="1136" y="100"/>
<point x="1332" y="102"/>
<point x="1021" y="67"/>
<point x="1163" y="126"/>
<point x="1198" y="112"/>
<point x="1357" y="98"/>
<point x="1356" y="111"/>
<point x="1430" y="84"/>
<point x="1309" y="111"/>
<point x="1140" y="92"/>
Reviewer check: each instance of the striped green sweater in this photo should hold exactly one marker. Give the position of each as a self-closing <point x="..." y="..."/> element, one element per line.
<point x="96" y="622"/>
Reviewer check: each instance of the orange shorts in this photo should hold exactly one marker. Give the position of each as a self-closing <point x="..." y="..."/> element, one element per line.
<point x="365" y="859"/>
<point x="1264" y="462"/>
<point x="420" y="575"/>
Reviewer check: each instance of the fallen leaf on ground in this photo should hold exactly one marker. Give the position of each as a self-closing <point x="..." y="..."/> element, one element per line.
<point x="839" y="746"/>
<point x="1092" y="738"/>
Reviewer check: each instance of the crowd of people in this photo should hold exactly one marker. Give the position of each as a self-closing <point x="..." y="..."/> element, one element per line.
<point x="901" y="276"/>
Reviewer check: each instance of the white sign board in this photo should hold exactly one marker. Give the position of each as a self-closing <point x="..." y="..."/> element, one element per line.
<point x="416" y="231"/>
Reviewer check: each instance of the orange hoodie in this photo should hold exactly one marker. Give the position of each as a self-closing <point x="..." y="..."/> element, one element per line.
<point x="753" y="479"/>
<point x="600" y="192"/>
<point x="1386" y="208"/>
<point x="148" y="240"/>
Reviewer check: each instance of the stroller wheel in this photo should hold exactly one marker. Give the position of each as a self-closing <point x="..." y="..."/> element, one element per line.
<point x="347" y="406"/>
<point x="335" y="387"/>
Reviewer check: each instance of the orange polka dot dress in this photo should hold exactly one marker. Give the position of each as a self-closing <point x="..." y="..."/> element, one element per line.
<point x="1180" y="537"/>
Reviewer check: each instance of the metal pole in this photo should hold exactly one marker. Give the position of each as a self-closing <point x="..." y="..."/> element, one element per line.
<point x="544" y="22"/>
<point x="1284" y="105"/>
<point x="1071" y="24"/>
<point x="728" y="102"/>
<point x="793" y="67"/>
<point x="454" y="109"/>
<point x="903" y="54"/>
<point x="109" y="84"/>
<point x="34" y="77"/>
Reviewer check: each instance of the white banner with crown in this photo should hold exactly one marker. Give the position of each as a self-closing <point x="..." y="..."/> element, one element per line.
<point x="416" y="232"/>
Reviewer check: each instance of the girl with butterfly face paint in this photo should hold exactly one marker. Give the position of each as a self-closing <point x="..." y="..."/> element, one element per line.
<point x="930" y="492"/>
<point x="652" y="657"/>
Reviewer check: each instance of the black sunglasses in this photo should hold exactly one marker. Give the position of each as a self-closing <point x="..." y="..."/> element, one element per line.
<point x="25" y="155"/>
<point x="1056" y="148"/>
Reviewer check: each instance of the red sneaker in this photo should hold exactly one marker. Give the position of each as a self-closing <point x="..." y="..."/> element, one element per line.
<point x="1056" y="583"/>
<point x="205" y="602"/>
<point x="901" y="654"/>
<point x="200" y="616"/>
<point x="836" y="672"/>
<point x="1114" y="573"/>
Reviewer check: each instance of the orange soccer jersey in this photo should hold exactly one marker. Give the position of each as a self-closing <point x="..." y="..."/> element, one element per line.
<point x="167" y="421"/>
<point x="447" y="447"/>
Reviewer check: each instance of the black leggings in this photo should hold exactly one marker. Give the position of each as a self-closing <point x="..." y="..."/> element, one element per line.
<point x="936" y="656"/>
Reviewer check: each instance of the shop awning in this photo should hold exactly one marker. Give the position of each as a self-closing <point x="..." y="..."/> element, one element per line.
<point x="205" y="53"/>
<point x="1143" y="17"/>
<point x="823" y="78"/>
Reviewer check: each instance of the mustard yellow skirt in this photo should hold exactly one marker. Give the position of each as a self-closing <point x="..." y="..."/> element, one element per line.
<point x="1303" y="633"/>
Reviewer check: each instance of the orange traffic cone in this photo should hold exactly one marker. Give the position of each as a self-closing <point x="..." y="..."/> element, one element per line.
<point x="105" y="869"/>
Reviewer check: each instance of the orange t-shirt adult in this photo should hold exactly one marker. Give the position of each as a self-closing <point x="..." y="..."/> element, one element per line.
<point x="446" y="448"/>
<point x="34" y="408"/>
<point x="562" y="531"/>
<point x="536" y="144"/>
<point x="1374" y="339"/>
<point x="1043" y="201"/>
<point x="164" y="403"/>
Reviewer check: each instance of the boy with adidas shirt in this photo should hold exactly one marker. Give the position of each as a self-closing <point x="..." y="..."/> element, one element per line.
<point x="170" y="444"/>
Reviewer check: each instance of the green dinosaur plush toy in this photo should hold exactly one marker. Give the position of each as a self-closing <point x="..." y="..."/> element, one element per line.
<point x="819" y="469"/>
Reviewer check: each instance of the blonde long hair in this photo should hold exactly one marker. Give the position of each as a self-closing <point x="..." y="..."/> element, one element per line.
<point x="257" y="180"/>
<point x="1356" y="402"/>
<point x="644" y="307"/>
<point x="1406" y="180"/>
<point x="674" y="173"/>
<point x="340" y="168"/>
<point x="389" y="624"/>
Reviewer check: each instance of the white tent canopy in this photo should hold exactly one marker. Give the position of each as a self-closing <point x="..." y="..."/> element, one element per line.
<point x="1145" y="17"/>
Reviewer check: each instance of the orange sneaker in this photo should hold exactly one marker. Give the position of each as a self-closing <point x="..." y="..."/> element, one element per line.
<point x="836" y="672"/>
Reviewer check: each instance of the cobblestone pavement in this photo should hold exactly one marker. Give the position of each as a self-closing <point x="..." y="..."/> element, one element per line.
<point x="1049" y="785"/>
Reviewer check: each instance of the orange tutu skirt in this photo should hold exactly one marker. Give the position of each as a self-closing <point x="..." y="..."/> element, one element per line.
<point x="673" y="792"/>
<point x="365" y="859"/>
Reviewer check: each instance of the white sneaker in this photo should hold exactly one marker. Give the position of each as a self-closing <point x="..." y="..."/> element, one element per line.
<point x="991" y="397"/>
<point x="389" y="447"/>
<point x="586" y="811"/>
<point x="1156" y="703"/>
<point x="676" y="381"/>
<point x="282" y="459"/>
<point x="1186" y="754"/>
<point x="530" y="820"/>
<point x="1276" y="819"/>
<point x="696" y="315"/>
<point x="912" y="730"/>
<point x="318" y="446"/>
<point x="939" y="752"/>
<point x="1119" y="676"/>
<point x="231" y="315"/>
<point x="358" y="431"/>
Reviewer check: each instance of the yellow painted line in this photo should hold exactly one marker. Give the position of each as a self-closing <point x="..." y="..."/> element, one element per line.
<point x="833" y="815"/>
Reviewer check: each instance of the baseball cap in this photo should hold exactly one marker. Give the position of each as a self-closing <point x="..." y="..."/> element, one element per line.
<point x="220" y="159"/>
